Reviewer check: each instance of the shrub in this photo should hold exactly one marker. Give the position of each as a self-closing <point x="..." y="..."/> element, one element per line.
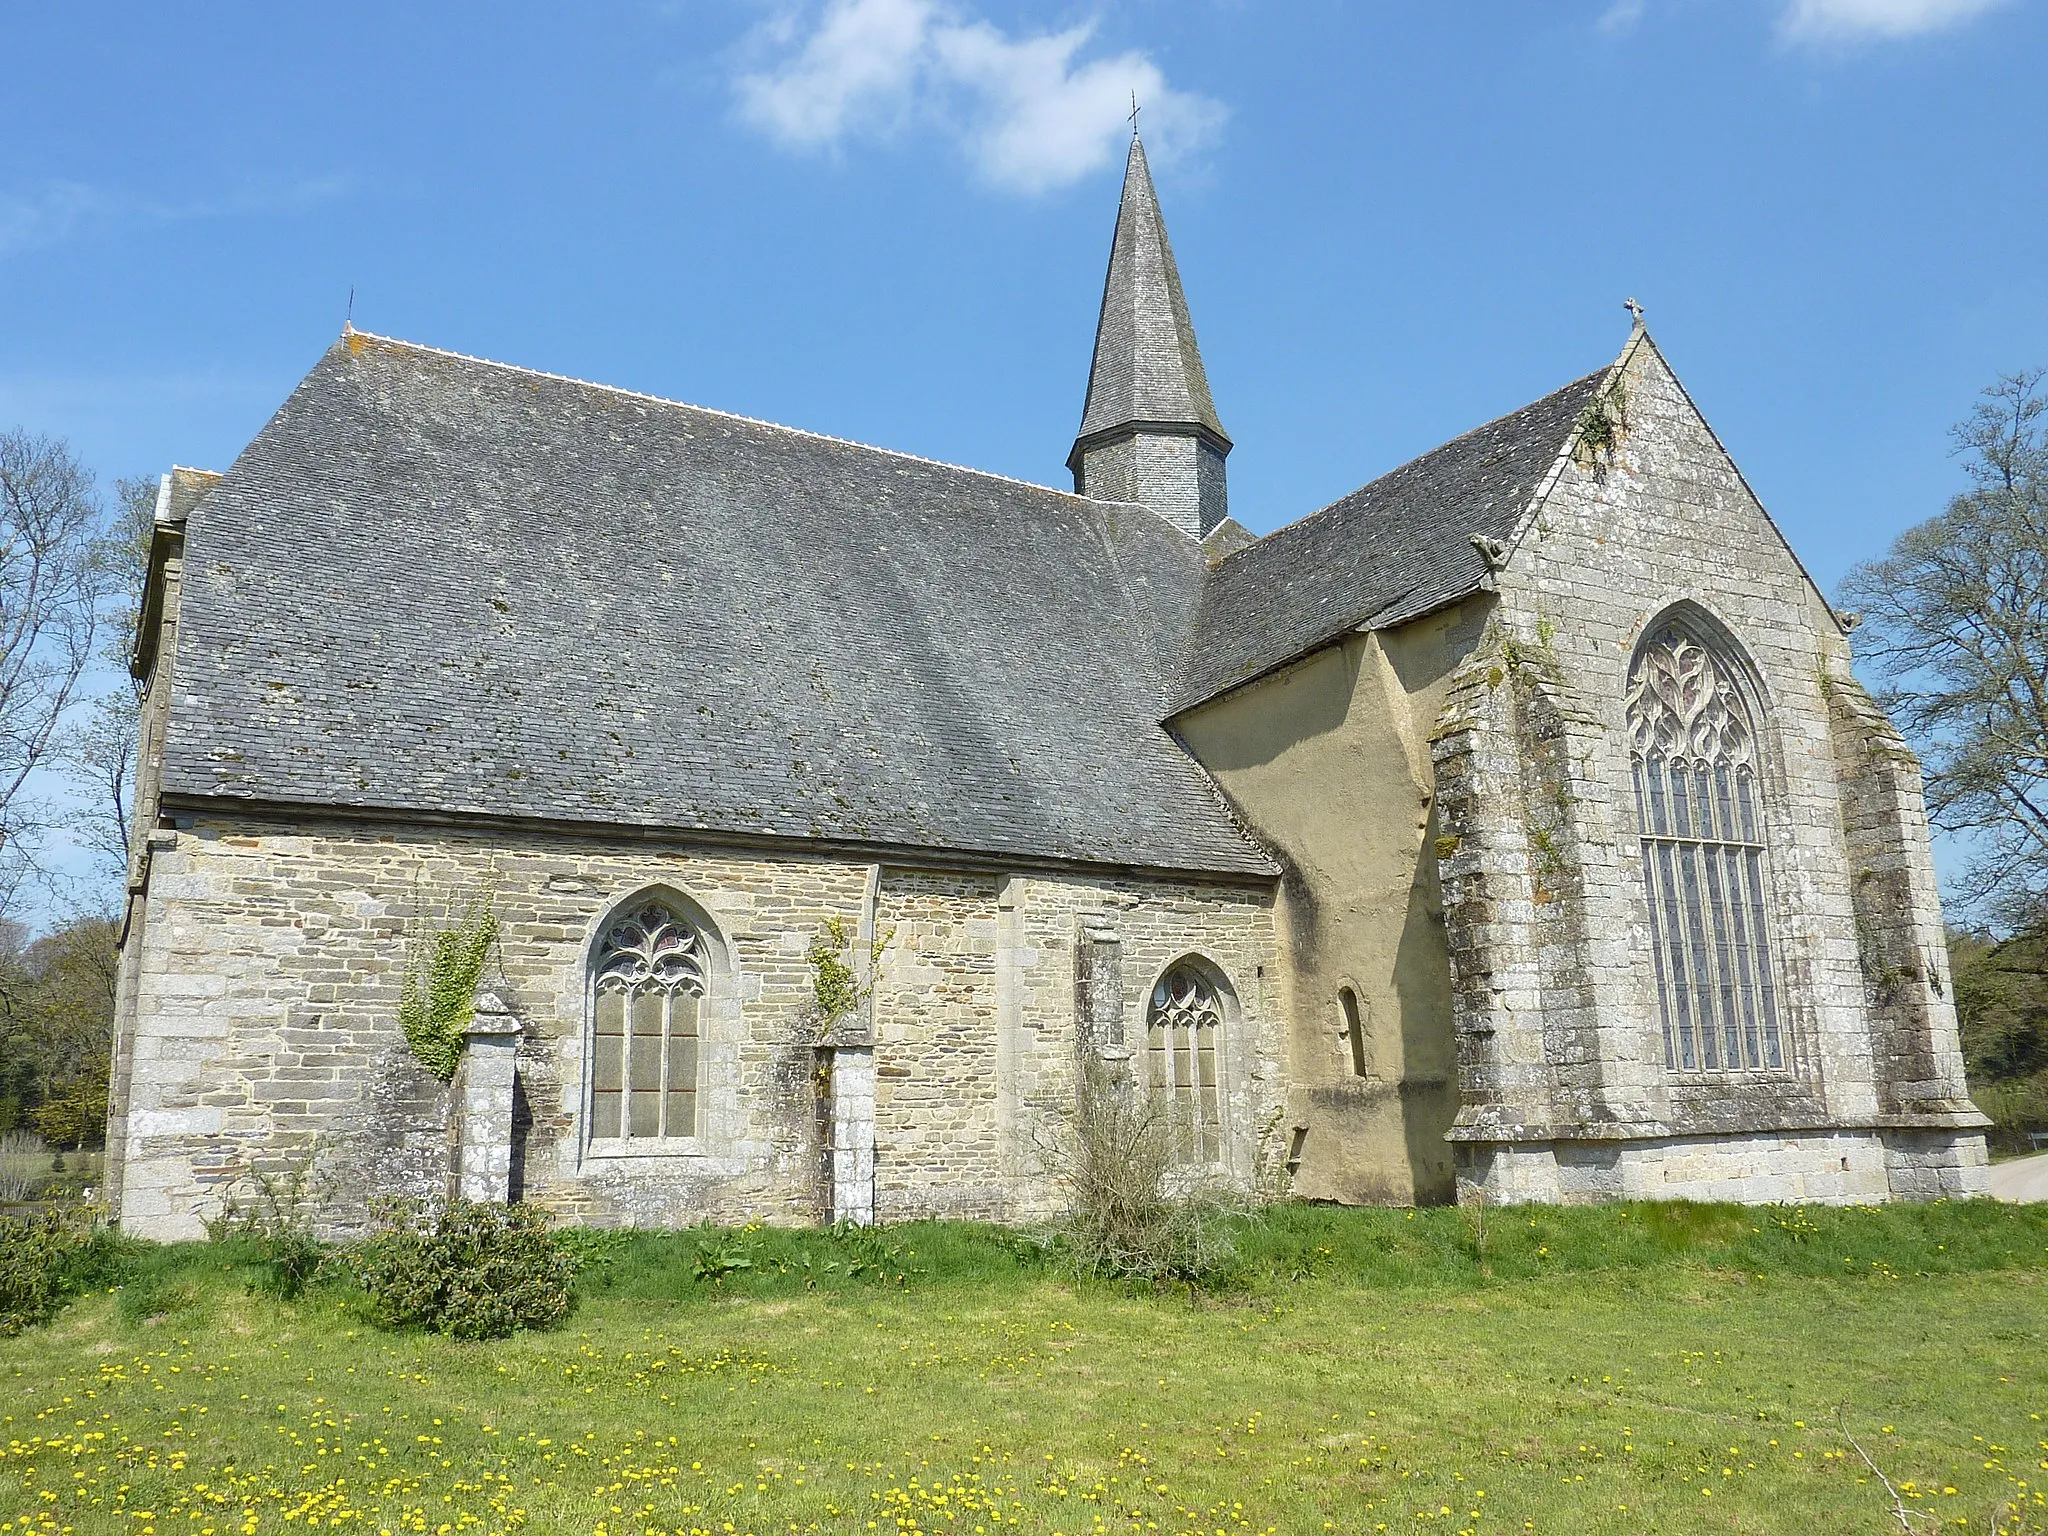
<point x="271" y="1213"/>
<point x="24" y="1166"/>
<point x="44" y="1259"/>
<point x="472" y="1271"/>
<point x="1135" y="1209"/>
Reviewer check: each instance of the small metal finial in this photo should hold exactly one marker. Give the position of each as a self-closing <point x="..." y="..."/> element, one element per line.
<point x="1134" y="114"/>
<point x="348" y="318"/>
<point x="1633" y="308"/>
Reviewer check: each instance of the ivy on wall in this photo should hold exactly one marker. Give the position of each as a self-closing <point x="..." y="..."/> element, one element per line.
<point x="1601" y="426"/>
<point x="836" y="987"/>
<point x="437" y="999"/>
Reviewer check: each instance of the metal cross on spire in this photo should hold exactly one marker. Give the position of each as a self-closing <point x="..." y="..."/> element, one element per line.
<point x="1134" y="114"/>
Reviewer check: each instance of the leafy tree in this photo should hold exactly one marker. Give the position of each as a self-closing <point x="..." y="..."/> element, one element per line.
<point x="1956" y="627"/>
<point x="56" y="1029"/>
<point x="2001" y="993"/>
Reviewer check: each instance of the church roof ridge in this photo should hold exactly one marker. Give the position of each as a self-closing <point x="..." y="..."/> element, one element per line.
<point x="1394" y="549"/>
<point x="440" y="585"/>
<point x="357" y="332"/>
<point x="1448" y="443"/>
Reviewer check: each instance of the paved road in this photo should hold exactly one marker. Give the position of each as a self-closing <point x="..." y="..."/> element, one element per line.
<point x="2024" y="1178"/>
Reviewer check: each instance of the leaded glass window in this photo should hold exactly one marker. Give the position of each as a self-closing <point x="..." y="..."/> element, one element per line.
<point x="1183" y="1045"/>
<point x="1700" y="806"/>
<point x="647" y="993"/>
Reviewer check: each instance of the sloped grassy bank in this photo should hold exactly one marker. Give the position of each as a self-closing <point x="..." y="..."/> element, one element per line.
<point x="1629" y="1368"/>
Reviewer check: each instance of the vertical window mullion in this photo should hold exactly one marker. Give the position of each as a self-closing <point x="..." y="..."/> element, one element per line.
<point x="668" y="1005"/>
<point x="632" y="996"/>
<point x="1696" y="953"/>
<point x="1688" y="1054"/>
<point x="1639" y="772"/>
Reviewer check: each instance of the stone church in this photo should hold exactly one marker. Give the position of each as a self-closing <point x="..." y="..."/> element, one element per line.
<point x="1512" y="828"/>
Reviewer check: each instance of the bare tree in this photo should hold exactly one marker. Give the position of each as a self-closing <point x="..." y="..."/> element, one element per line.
<point x="55" y="575"/>
<point x="1956" y="627"/>
<point x="99" y="752"/>
<point x="127" y="547"/>
<point x="100" y="756"/>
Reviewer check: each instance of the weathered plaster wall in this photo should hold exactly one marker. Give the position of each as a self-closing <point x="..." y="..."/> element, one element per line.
<point x="1559" y="1036"/>
<point x="265" y="1003"/>
<point x="1328" y="760"/>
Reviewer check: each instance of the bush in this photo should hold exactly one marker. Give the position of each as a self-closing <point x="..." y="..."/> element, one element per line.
<point x="471" y="1271"/>
<point x="1136" y="1210"/>
<point x="272" y="1215"/>
<point x="44" y="1259"/>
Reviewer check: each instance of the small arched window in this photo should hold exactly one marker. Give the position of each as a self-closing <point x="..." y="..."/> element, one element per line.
<point x="1354" y="1030"/>
<point x="1184" y="1049"/>
<point x="1699" y="803"/>
<point x="647" y="982"/>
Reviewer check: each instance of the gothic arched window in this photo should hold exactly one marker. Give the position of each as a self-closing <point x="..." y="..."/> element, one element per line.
<point x="1184" y="1052"/>
<point x="647" y="983"/>
<point x="1699" y="803"/>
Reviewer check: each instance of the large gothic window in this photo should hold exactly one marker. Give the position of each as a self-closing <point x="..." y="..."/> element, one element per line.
<point x="1183" y="1049"/>
<point x="647" y="991"/>
<point x="1693" y="743"/>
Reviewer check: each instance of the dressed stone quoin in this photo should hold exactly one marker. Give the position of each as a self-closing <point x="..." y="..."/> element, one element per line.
<point x="1512" y="828"/>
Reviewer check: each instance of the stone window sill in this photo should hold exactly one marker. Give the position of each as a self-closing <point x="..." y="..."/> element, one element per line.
<point x="646" y="1146"/>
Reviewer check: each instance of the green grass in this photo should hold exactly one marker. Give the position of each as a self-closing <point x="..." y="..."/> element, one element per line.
<point x="1623" y="1369"/>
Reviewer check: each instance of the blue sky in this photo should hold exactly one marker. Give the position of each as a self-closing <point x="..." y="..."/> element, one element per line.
<point x="888" y="219"/>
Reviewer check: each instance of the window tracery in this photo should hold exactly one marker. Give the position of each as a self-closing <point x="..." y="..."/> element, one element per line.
<point x="1699" y="804"/>
<point x="647" y="988"/>
<point x="1183" y="1036"/>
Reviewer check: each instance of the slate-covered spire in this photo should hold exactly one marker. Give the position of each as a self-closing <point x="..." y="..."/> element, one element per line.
<point x="1149" y="432"/>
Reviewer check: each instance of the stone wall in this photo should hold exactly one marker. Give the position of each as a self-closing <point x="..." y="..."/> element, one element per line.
<point x="1560" y="1042"/>
<point x="264" y="987"/>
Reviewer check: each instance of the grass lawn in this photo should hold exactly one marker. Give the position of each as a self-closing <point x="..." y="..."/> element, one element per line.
<point x="1625" y="1369"/>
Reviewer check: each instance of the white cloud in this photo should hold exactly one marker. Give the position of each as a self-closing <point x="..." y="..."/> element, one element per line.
<point x="1028" y="110"/>
<point x="61" y="210"/>
<point x="1848" y="20"/>
<point x="45" y="217"/>
<point x="1621" y="16"/>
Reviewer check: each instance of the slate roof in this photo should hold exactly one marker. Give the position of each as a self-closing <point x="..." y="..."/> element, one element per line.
<point x="435" y="583"/>
<point x="1386" y="553"/>
<point x="1146" y="368"/>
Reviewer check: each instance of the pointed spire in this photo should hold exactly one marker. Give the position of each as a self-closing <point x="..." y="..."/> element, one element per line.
<point x="1149" y="431"/>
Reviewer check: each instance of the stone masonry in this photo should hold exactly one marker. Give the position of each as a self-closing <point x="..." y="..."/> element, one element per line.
<point x="1566" y="1091"/>
<point x="265" y="1027"/>
<point x="449" y="628"/>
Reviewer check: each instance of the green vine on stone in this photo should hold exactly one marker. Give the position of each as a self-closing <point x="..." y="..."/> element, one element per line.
<point x="1602" y="425"/>
<point x="836" y="987"/>
<point x="437" y="999"/>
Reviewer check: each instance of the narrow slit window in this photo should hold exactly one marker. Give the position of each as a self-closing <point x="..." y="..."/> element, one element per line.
<point x="1704" y="841"/>
<point x="1354" y="1030"/>
<point x="647" y="991"/>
